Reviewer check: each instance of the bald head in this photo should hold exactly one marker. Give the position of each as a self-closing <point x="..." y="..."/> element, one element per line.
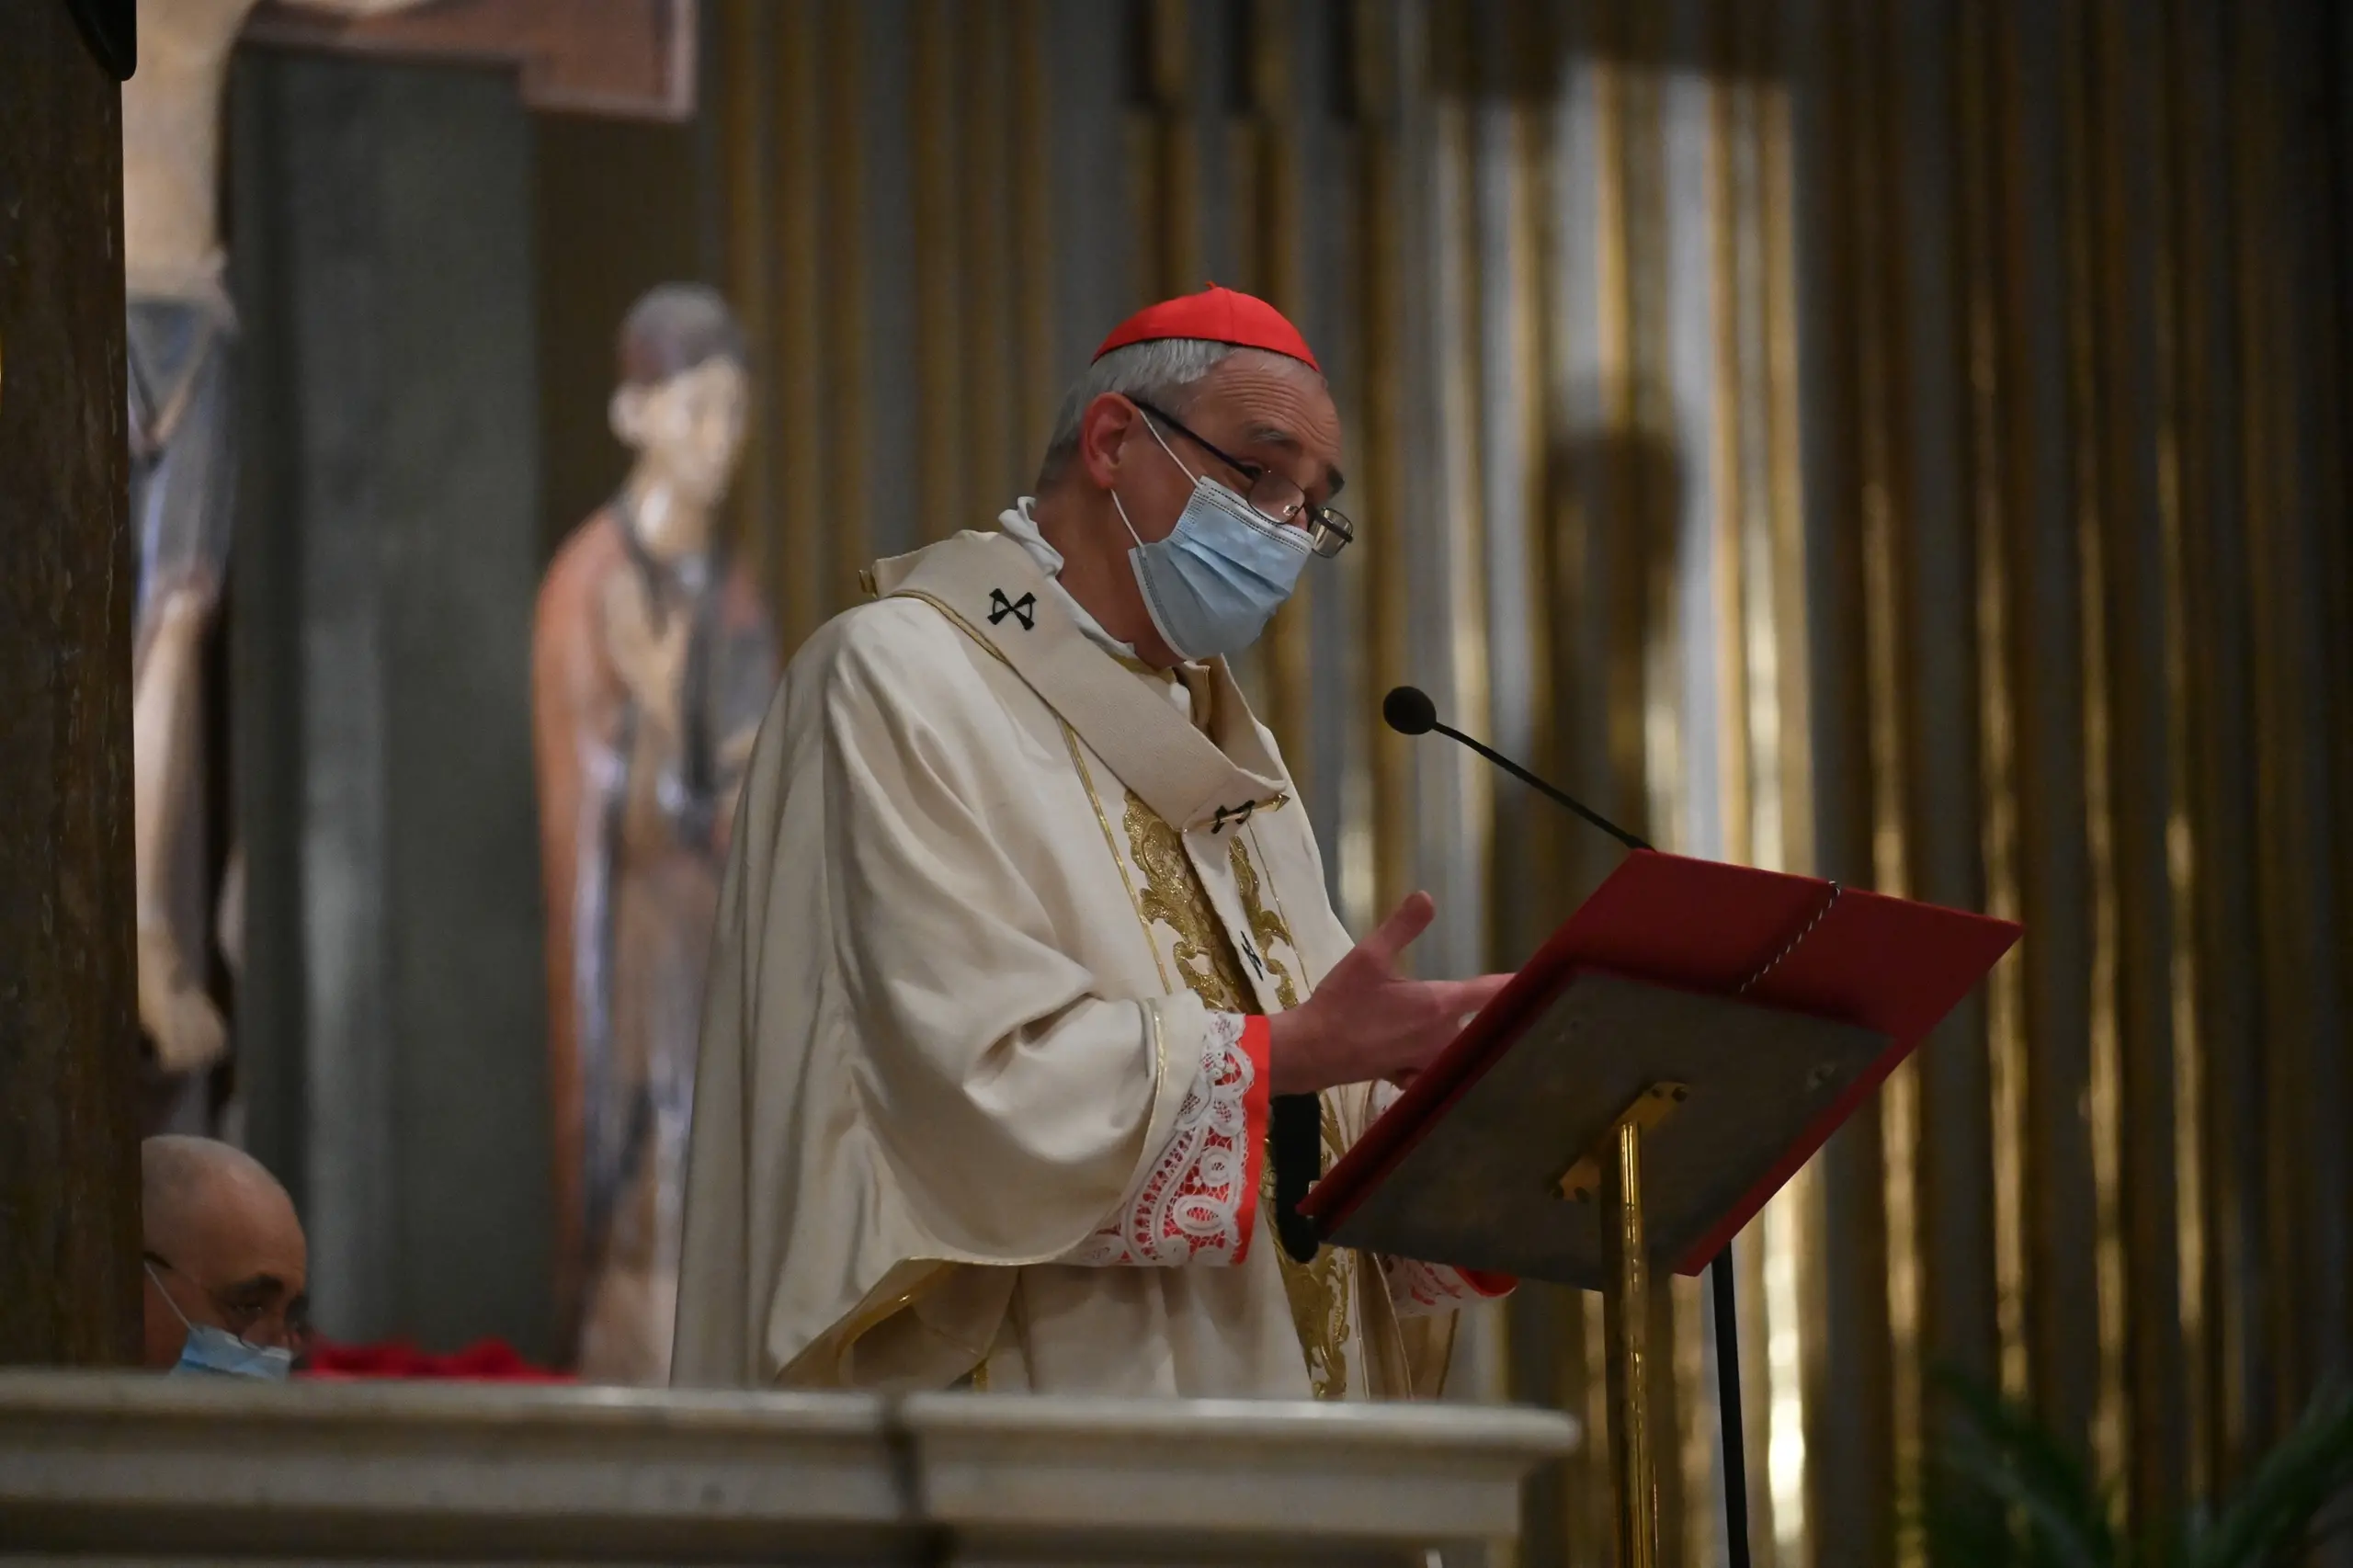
<point x="223" y="1245"/>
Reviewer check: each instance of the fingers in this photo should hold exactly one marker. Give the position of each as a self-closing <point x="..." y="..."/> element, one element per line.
<point x="1407" y="921"/>
<point x="1458" y="1002"/>
<point x="1467" y="996"/>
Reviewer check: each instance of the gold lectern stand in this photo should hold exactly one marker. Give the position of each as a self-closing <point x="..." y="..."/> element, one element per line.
<point x="1625" y="1319"/>
<point x="1678" y="1106"/>
<point x="1773" y="1006"/>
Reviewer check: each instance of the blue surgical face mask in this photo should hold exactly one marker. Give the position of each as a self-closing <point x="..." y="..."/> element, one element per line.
<point x="216" y="1353"/>
<point x="1212" y="585"/>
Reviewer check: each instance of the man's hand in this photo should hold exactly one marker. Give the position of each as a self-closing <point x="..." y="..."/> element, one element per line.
<point x="1366" y="1021"/>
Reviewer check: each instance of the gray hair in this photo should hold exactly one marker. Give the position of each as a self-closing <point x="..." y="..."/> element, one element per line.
<point x="1162" y="371"/>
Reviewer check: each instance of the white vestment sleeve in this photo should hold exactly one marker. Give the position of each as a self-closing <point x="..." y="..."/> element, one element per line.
<point x="1010" y="1103"/>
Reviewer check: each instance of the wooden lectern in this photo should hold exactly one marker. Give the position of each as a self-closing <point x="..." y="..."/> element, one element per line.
<point x="1675" y="1051"/>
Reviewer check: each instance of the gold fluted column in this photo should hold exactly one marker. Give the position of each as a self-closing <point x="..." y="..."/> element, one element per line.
<point x="939" y="72"/>
<point x="2221" y="1107"/>
<point x="745" y="68"/>
<point x="1379" y="243"/>
<point x="2130" y="384"/>
<point x="1882" y="484"/>
<point x="1033" y="244"/>
<point x="796" y="346"/>
<point x="843" y="544"/>
<point x="1791" y="1231"/>
<point x="2274" y="1375"/>
<point x="1167" y="158"/>
<point x="2294" y="388"/>
<point x="1843" y="1288"/>
<point x="991" y="389"/>
<point x="1274" y="217"/>
<point x="2091" y="496"/>
<point x="2184" y="1387"/>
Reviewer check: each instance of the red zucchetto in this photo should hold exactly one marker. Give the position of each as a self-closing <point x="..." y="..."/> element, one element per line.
<point x="1214" y="315"/>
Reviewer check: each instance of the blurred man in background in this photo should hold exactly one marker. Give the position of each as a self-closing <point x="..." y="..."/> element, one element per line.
<point x="226" y="1265"/>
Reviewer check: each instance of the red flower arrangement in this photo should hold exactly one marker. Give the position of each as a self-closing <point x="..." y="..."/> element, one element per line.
<point x="486" y="1360"/>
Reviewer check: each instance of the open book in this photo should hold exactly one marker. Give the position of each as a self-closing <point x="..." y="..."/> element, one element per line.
<point x="1759" y="1009"/>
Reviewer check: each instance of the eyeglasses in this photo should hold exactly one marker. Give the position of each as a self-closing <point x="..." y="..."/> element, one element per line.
<point x="256" y="1323"/>
<point x="1270" y="494"/>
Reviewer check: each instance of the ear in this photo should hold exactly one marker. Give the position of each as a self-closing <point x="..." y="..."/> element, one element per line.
<point x="626" y="414"/>
<point x="1103" y="433"/>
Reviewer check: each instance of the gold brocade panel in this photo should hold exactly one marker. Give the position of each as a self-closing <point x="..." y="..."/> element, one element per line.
<point x="1170" y="899"/>
<point x="1169" y="895"/>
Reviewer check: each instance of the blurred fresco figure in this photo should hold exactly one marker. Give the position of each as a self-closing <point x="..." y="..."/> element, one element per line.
<point x="652" y="662"/>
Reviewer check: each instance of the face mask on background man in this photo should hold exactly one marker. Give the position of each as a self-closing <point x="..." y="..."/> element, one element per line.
<point x="215" y="1352"/>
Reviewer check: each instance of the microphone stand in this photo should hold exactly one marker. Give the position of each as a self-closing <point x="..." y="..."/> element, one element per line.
<point x="1722" y="1281"/>
<point x="1561" y="797"/>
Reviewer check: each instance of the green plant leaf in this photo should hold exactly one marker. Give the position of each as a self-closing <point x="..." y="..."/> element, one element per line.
<point x="2273" y="1517"/>
<point x="2000" y="1490"/>
<point x="2003" y="1492"/>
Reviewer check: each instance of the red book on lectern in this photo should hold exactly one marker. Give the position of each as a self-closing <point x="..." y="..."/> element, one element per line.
<point x="1812" y="966"/>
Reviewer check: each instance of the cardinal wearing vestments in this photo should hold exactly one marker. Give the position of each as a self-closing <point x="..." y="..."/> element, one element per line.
<point x="1029" y="1019"/>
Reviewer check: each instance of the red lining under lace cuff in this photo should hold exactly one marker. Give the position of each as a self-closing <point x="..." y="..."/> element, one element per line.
<point x="1257" y="1044"/>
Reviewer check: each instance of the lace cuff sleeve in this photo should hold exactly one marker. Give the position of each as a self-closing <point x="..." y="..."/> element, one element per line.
<point x="1196" y="1201"/>
<point x="1419" y="1290"/>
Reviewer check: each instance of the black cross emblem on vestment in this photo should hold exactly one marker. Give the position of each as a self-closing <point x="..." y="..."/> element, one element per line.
<point x="1252" y="954"/>
<point x="1236" y="815"/>
<point x="1023" y="609"/>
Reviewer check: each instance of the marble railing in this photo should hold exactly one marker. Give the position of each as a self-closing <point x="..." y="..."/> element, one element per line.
<point x="148" y="1469"/>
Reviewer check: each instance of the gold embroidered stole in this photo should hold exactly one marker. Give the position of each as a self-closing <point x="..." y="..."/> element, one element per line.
<point x="1206" y="961"/>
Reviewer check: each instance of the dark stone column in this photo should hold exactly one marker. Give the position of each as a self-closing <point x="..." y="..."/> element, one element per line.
<point x="69" y="1157"/>
<point x="387" y="561"/>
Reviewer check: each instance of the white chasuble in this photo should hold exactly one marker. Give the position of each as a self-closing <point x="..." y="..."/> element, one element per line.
<point x="982" y="1083"/>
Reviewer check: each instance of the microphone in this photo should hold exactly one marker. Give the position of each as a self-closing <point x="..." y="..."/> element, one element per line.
<point x="1409" y="710"/>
